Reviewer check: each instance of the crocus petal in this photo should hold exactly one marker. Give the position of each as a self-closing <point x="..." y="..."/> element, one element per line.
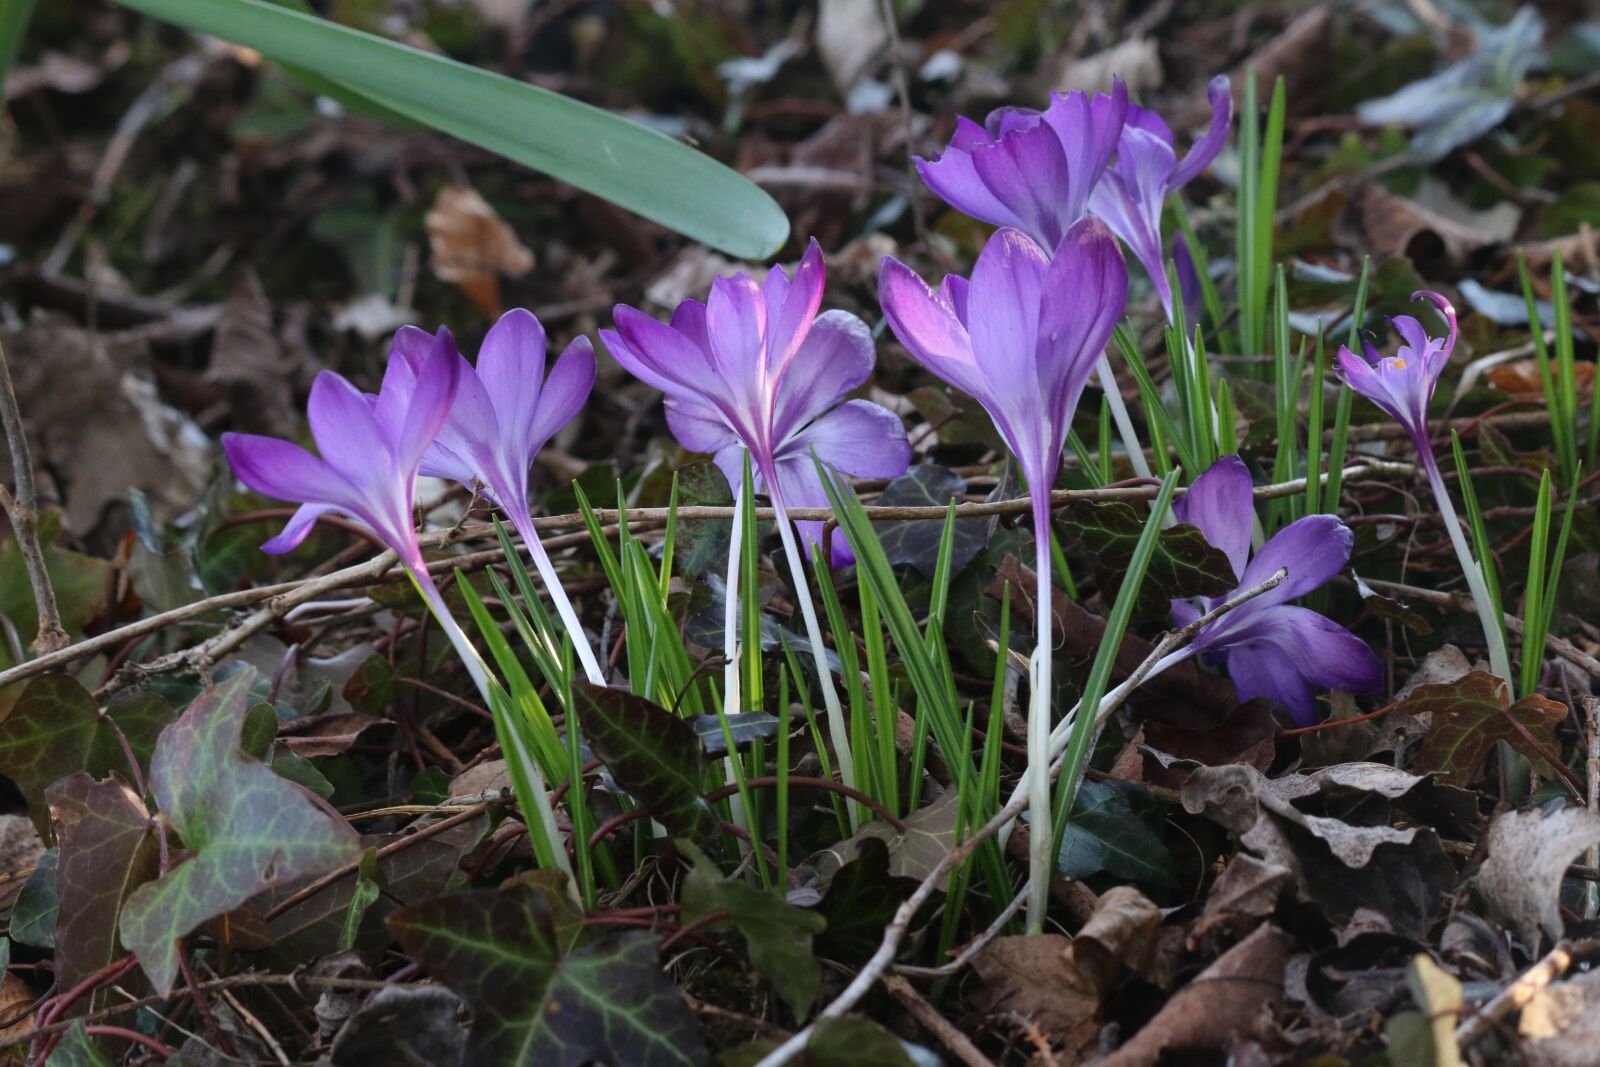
<point x="1188" y="284"/>
<point x="565" y="392"/>
<point x="858" y="438"/>
<point x="927" y="324"/>
<point x="438" y="376"/>
<point x="1130" y="201"/>
<point x="1087" y="129"/>
<point x="1313" y="550"/>
<point x="347" y="432"/>
<point x="789" y="319"/>
<point x="1204" y="150"/>
<point x="657" y="354"/>
<point x="800" y="487"/>
<point x="1220" y="504"/>
<point x="1084" y="292"/>
<point x="689" y="319"/>
<point x="511" y="368"/>
<point x="1027" y="171"/>
<point x="698" y="426"/>
<point x="297" y="529"/>
<point x="835" y="358"/>
<point x="955" y="180"/>
<point x="1008" y="282"/>
<point x="281" y="469"/>
<point x="1287" y="652"/>
<point x="736" y="321"/>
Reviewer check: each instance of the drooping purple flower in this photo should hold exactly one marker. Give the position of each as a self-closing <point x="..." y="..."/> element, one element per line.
<point x="1022" y="337"/>
<point x="1272" y="648"/>
<point x="755" y="367"/>
<point x="1031" y="170"/>
<point x="1130" y="196"/>
<point x="371" y="450"/>
<point x="505" y="409"/>
<point x="1403" y="384"/>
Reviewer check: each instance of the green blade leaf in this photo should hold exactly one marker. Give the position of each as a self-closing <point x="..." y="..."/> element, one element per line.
<point x="653" y="754"/>
<point x="532" y="1003"/>
<point x="249" y="829"/>
<point x="612" y="157"/>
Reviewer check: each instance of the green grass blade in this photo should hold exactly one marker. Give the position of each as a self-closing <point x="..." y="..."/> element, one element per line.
<point x="610" y="156"/>
<point x="14" y="18"/>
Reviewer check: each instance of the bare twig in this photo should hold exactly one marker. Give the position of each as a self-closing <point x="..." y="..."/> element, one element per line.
<point x="1462" y="602"/>
<point x="23" y="508"/>
<point x="900" y="925"/>
<point x="283" y="597"/>
<point x="937" y="1024"/>
<point x="1516" y="995"/>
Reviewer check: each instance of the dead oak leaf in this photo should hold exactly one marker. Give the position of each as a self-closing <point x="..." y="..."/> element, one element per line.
<point x="472" y="246"/>
<point x="1470" y="715"/>
<point x="1527" y="855"/>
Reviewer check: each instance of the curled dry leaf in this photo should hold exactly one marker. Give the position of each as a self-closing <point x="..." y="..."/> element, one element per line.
<point x="1560" y="1026"/>
<point x="472" y="246"/>
<point x="1528" y="853"/>
<point x="1059" y="984"/>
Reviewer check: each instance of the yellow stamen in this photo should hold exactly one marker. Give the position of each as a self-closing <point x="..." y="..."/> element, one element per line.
<point x="1399" y="364"/>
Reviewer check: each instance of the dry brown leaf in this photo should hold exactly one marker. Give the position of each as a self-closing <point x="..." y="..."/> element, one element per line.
<point x="1394" y="225"/>
<point x="1057" y="983"/>
<point x="1521" y="379"/>
<point x="1528" y="855"/>
<point x="1246" y="892"/>
<point x="472" y="246"/>
<point x="248" y="361"/>
<point x="1560" y="1026"/>
<point x="1223" y="1002"/>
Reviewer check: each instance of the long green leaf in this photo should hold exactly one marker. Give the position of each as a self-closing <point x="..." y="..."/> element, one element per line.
<point x="612" y="157"/>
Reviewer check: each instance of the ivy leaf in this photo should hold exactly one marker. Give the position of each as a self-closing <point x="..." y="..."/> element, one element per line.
<point x="79" y="582"/>
<point x="652" y="754"/>
<point x="777" y="934"/>
<point x="108" y="849"/>
<point x="702" y="543"/>
<point x="34" y="915"/>
<point x="1470" y="715"/>
<point x="846" y="1042"/>
<point x="56" y="729"/>
<point x="1184" y="565"/>
<point x="1106" y="835"/>
<point x="248" y="828"/>
<point x="917" y="543"/>
<point x="745" y="726"/>
<point x="77" y="1049"/>
<point x="860" y="901"/>
<point x="606" y="1002"/>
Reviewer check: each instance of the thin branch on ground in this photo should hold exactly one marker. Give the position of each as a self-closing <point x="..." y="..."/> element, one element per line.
<point x="23" y="508"/>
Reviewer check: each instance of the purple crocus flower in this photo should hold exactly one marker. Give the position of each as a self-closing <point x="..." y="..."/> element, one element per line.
<point x="371" y="450"/>
<point x="1022" y="338"/>
<point x="755" y="367"/>
<point x="1031" y="170"/>
<point x="1403" y="384"/>
<point x="1130" y="196"/>
<point x="1272" y="648"/>
<point x="505" y="411"/>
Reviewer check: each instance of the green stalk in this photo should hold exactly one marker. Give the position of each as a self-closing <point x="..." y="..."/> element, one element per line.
<point x="1486" y="603"/>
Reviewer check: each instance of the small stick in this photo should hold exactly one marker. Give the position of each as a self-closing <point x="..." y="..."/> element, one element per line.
<point x="23" y="507"/>
<point x="937" y="1024"/>
<point x="1515" y="996"/>
<point x="1591" y="712"/>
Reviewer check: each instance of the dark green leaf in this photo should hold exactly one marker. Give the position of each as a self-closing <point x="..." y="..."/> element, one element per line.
<point x="702" y="544"/>
<point x="776" y="933"/>
<point x="652" y="754"/>
<point x="248" y="828"/>
<point x="77" y="1049"/>
<point x="108" y="849"/>
<point x="1105" y="834"/>
<point x="55" y="730"/>
<point x="746" y="726"/>
<point x="917" y="542"/>
<point x="368" y="885"/>
<point x="860" y="900"/>
<point x="608" y="155"/>
<point x="79" y="582"/>
<point x="1184" y="564"/>
<point x="606" y="1002"/>
<point x="1471" y="714"/>
<point x="854" y="1042"/>
<point x="34" y="915"/>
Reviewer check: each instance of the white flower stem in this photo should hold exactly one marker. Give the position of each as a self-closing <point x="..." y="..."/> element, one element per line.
<point x="1493" y="632"/>
<point x="1119" y="415"/>
<point x="837" y="732"/>
<point x="731" y="687"/>
<point x="1041" y="834"/>
<point x="512" y="742"/>
<point x="558" y="596"/>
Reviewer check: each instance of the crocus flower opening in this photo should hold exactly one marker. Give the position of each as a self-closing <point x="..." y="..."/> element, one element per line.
<point x="1031" y="170"/>
<point x="505" y="410"/>
<point x="1130" y="196"/>
<point x="1022" y="338"/>
<point x="1403" y="384"/>
<point x="1272" y="648"/>
<point x="371" y="450"/>
<point x="755" y="367"/>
